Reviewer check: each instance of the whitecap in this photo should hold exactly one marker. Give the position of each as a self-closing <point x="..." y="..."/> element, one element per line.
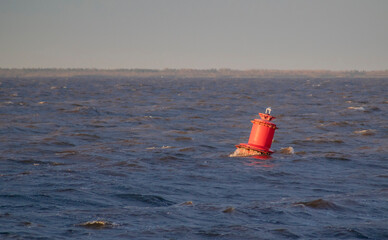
<point x="287" y="150"/>
<point x="162" y="147"/>
<point x="365" y="132"/>
<point x="357" y="108"/>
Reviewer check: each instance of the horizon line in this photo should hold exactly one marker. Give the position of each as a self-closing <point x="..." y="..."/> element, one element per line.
<point x="195" y="69"/>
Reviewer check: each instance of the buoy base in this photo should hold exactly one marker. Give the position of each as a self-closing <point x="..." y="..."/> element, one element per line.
<point x="245" y="150"/>
<point x="242" y="152"/>
<point x="263" y="150"/>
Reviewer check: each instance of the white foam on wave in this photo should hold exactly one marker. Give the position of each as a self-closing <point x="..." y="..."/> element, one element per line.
<point x="357" y="108"/>
<point x="162" y="147"/>
<point x="365" y="132"/>
<point x="287" y="150"/>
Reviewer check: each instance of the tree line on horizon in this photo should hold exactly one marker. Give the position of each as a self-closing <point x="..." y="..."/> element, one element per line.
<point x="185" y="73"/>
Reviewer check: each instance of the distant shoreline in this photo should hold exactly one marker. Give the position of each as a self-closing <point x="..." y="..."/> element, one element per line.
<point x="184" y="73"/>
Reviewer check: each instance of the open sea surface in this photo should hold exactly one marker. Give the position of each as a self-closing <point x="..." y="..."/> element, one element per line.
<point x="95" y="158"/>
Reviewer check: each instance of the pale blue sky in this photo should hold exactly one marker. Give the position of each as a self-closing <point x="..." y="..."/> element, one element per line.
<point x="243" y="34"/>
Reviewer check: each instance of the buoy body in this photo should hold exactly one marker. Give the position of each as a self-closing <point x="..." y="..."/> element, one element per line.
<point x="262" y="133"/>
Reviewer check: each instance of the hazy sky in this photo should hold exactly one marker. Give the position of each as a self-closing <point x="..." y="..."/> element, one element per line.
<point x="241" y="34"/>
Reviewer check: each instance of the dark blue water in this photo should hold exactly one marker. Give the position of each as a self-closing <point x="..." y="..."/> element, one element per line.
<point x="149" y="159"/>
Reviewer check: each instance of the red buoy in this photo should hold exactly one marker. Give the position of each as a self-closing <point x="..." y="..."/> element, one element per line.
<point x="260" y="140"/>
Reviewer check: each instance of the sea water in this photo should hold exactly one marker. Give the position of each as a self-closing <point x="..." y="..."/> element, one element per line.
<point x="107" y="158"/>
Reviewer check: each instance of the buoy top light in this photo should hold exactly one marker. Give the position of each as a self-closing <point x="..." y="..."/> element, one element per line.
<point x="267" y="115"/>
